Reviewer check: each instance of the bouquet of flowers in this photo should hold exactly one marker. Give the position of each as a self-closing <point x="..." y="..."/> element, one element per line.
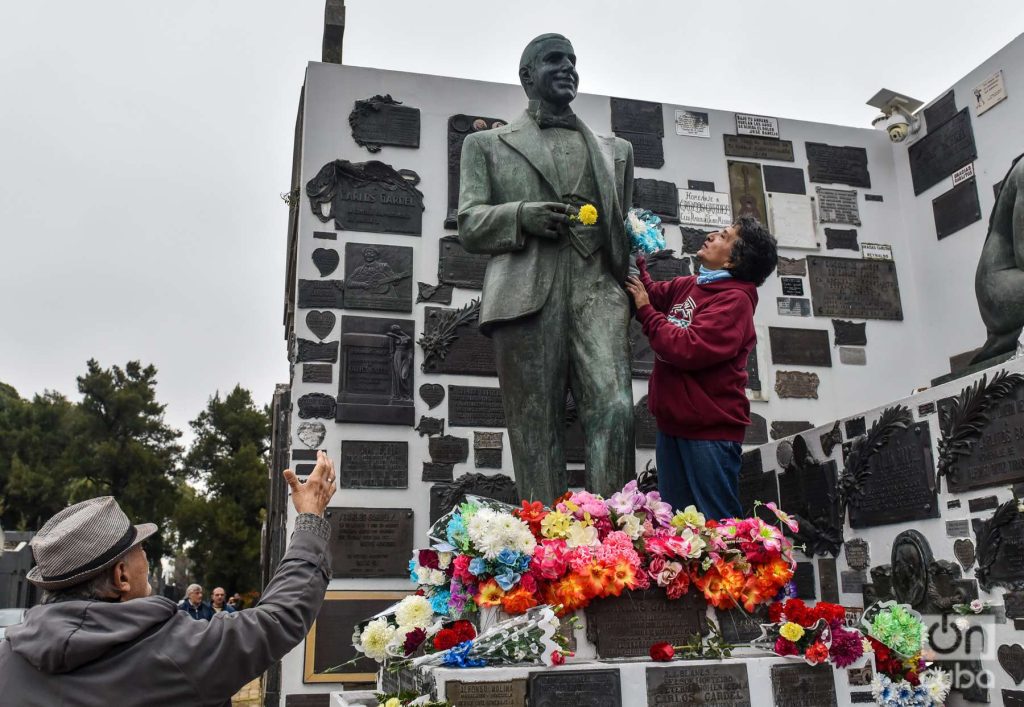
<point x="644" y="229"/>
<point x="895" y="634"/>
<point x="813" y="634"/>
<point x="407" y="699"/>
<point x="402" y="629"/>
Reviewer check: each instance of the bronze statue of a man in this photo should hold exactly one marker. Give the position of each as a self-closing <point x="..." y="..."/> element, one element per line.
<point x="552" y="299"/>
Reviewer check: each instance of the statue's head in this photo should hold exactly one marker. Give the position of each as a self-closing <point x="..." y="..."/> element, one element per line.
<point x="547" y="70"/>
<point x="370" y="254"/>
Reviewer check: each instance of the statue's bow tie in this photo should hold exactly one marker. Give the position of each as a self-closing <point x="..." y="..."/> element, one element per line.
<point x="546" y="120"/>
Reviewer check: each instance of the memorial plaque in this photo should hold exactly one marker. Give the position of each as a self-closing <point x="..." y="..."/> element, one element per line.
<point x="452" y="343"/>
<point x="449" y="449"/>
<point x="375" y="381"/>
<point x="432" y="394"/>
<point x="901" y="486"/>
<point x="622" y="627"/>
<point x="853" y="356"/>
<point x="370" y="542"/>
<point x="829" y="579"/>
<point x="837" y="206"/>
<point x="321" y="324"/>
<point x="942" y="151"/>
<point x="459" y="126"/>
<point x="855" y="427"/>
<point x="487" y="458"/>
<point x="307" y="351"/>
<point x="438" y="294"/>
<point x="373" y="465"/>
<point x="629" y="116"/>
<point x="963" y="174"/>
<point x="841" y="239"/>
<point x="321" y="293"/>
<point x="793" y="286"/>
<point x="488" y="440"/>
<point x="784" y="180"/>
<point x="662" y="198"/>
<point x="699" y="185"/>
<point x="873" y="197"/>
<point x="788" y="428"/>
<point x="647" y="149"/>
<point x="1011" y="659"/>
<point x="751" y="462"/>
<point x="989" y="93"/>
<point x="664" y="265"/>
<point x="957" y="209"/>
<point x="693" y="238"/>
<point x="852" y="581"/>
<point x="858" y="553"/>
<point x="1013" y="603"/>
<point x="830" y="440"/>
<point x="692" y="123"/>
<point x="382" y="120"/>
<point x="642" y="356"/>
<point x="940" y="111"/>
<point x="326" y="235"/>
<point x="444" y="497"/>
<point x="645" y="428"/>
<point x="800" y="347"/>
<point x="594" y="688"/>
<point x="304" y="470"/>
<point x="830" y="164"/>
<point x="758" y="148"/>
<point x="705" y="208"/>
<point x="505" y="693"/>
<point x="796" y="384"/>
<point x="738" y="626"/>
<point x="753" y="371"/>
<point x="997" y="457"/>
<point x="859" y="289"/>
<point x="850" y="333"/>
<point x="984" y="503"/>
<point x="316" y="406"/>
<point x="926" y="409"/>
<point x="311" y="434"/>
<point x="369" y="196"/>
<point x="458" y="267"/>
<point x="326" y="260"/>
<point x="704" y="685"/>
<point x="475" y="406"/>
<point x="759" y="125"/>
<point x="378" y="277"/>
<point x="747" y="191"/>
<point x="757" y="486"/>
<point x="307" y="455"/>
<point x="798" y="685"/>
<point x="433" y="471"/>
<point x="757" y="430"/>
<point x="803" y="579"/>
<point x="859" y="677"/>
<point x="793" y="306"/>
<point x="1013" y="698"/>
<point x="791" y="220"/>
<point x="791" y="266"/>
<point x="430" y="426"/>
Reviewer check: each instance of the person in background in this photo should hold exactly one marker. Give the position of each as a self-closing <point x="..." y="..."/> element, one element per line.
<point x="193" y="603"/>
<point x="236" y="602"/>
<point x="218" y="603"/>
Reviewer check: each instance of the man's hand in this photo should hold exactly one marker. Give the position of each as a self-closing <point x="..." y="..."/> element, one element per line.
<point x="313" y="495"/>
<point x="543" y="218"/>
<point x="637" y="291"/>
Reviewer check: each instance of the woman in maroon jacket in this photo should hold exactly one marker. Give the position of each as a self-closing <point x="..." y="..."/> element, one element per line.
<point x="701" y="329"/>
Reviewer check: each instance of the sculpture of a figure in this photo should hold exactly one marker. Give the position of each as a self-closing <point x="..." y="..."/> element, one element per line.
<point x="401" y="365"/>
<point x="999" y="281"/>
<point x="552" y="296"/>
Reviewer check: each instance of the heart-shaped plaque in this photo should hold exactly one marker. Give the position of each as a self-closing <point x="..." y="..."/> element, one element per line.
<point x="963" y="549"/>
<point x="432" y="394"/>
<point x="1011" y="657"/>
<point x="312" y="434"/>
<point x="320" y="323"/>
<point x="326" y="260"/>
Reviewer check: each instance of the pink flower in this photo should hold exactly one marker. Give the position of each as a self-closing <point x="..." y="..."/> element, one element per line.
<point x="550" y="559"/>
<point x="626" y="501"/>
<point x="784" y="647"/>
<point x="659" y="511"/>
<point x="668" y="574"/>
<point x="784" y="517"/>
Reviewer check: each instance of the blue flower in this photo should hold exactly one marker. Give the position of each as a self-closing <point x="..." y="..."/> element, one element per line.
<point x="524" y="562"/>
<point x="507" y="579"/>
<point x="439" y="601"/>
<point x="455" y="528"/>
<point x="412" y="570"/>
<point x="459" y="657"/>
<point x="477" y="566"/>
<point x="508" y="557"/>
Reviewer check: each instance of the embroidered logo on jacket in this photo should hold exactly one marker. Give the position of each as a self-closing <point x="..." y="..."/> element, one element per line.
<point x="682" y="314"/>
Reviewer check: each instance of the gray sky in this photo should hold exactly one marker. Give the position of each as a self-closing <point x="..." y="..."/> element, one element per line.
<point x="143" y="145"/>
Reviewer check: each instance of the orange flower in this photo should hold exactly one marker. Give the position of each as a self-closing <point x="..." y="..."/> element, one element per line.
<point x="597" y="578"/>
<point x="623" y="577"/>
<point x="754" y="594"/>
<point x="774" y="573"/>
<point x="721" y="584"/>
<point x="489" y="594"/>
<point x="571" y="592"/>
<point x="518" y="601"/>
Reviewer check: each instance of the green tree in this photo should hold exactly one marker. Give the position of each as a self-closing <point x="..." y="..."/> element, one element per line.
<point x="222" y="517"/>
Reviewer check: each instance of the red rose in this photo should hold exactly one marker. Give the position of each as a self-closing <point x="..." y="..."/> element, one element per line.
<point x="428" y="559"/>
<point x="446" y="638"/>
<point x="556" y="656"/>
<point x="662" y="652"/>
<point x="817" y="653"/>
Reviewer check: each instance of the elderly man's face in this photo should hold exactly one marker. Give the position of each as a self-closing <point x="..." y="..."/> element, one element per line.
<point x="554" y="73"/>
<point x="217" y="597"/>
<point x="136" y="568"/>
<point x="195" y="596"/>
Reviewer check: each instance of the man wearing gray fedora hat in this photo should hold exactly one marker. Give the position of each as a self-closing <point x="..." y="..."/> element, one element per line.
<point x="98" y="630"/>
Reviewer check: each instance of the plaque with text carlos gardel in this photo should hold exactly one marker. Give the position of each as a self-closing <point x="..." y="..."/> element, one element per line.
<point x="854" y="288"/>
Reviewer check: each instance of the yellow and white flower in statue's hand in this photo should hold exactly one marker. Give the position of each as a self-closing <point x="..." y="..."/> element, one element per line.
<point x="414" y="612"/>
<point x="376" y="637"/>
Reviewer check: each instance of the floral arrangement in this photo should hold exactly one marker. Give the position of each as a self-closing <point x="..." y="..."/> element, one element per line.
<point x="814" y="634"/>
<point x="895" y="634"/>
<point x="404" y="628"/>
<point x="977" y="606"/>
<point x="407" y="699"/>
<point x="930" y="690"/>
<point x="711" y="647"/>
<point x="585" y="547"/>
<point x="644" y="229"/>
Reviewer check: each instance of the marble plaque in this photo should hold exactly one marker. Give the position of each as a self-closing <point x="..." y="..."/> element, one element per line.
<point x="448" y="449"/>
<point x="645" y="428"/>
<point x="458" y="267"/>
<point x="793" y="286"/>
<point x="958" y="528"/>
<point x="470" y="353"/>
<point x="854" y="288"/>
<point x="692" y="123"/>
<point x="459" y="126"/>
<point x="375" y="380"/>
<point x="799" y="685"/>
<point x="378" y="277"/>
<point x="853" y="356"/>
<point x="793" y="306"/>
<point x="504" y="693"/>
<point x="791" y="220"/>
<point x="796" y="384"/>
<point x="841" y="239"/>
<point x="659" y="197"/>
<point x="997" y="458"/>
<point x="371" y="197"/>
<point x="942" y="151"/>
<point x="747" y="191"/>
<point x="595" y="688"/>
<point x="373" y="465"/>
<point x="326" y="294"/>
<point x="382" y="120"/>
<point x="791" y="266"/>
<point x="957" y="209"/>
<point x="989" y="93"/>
<point x="699" y="207"/>
<point x="837" y="206"/>
<point x="475" y="406"/>
<point x="758" y="148"/>
<point x="316" y="406"/>
<point x="831" y="164"/>
<point x="326" y="260"/>
<point x="901" y="486"/>
<point x="306" y="351"/>
<point x="850" y="333"/>
<point x="940" y="111"/>
<point x="311" y="434"/>
<point x="647" y="149"/>
<point x="829" y="579"/>
<point x="699" y="685"/>
<point x="621" y="627"/>
<point x="629" y="116"/>
<point x="783" y="180"/>
<point x="370" y="542"/>
<point x="321" y="324"/>
<point x="758" y="125"/>
<point x="800" y="347"/>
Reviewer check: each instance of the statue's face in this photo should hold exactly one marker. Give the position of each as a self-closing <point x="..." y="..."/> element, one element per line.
<point x="553" y="78"/>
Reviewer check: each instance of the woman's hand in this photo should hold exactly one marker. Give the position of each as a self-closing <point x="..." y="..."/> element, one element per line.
<point x="637" y="291"/>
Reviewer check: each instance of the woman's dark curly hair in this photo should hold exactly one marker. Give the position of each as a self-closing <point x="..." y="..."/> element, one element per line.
<point x="754" y="252"/>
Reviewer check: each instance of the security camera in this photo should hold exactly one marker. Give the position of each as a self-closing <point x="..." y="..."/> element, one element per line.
<point x="897" y="125"/>
<point x="898" y="117"/>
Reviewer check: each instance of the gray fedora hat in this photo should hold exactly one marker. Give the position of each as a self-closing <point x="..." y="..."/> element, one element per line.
<point x="81" y="541"/>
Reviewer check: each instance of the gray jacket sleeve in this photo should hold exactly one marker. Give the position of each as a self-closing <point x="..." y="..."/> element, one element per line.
<point x="220" y="656"/>
<point x="484" y="227"/>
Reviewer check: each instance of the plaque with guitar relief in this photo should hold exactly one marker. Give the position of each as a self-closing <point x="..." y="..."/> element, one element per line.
<point x="378" y="277"/>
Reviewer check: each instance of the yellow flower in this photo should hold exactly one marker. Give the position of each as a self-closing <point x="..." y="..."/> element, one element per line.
<point x="555" y="525"/>
<point x="587" y="215"/>
<point x="791" y="631"/>
<point x="688" y="516"/>
<point x="393" y="702"/>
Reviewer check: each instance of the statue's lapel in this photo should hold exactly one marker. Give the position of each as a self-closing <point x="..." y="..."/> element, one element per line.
<point x="602" y="161"/>
<point x="524" y="137"/>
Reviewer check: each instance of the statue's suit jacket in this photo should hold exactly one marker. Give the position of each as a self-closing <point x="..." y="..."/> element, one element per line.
<point x="506" y="166"/>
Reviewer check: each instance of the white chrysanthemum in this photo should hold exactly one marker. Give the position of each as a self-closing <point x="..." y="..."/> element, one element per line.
<point x="524" y="541"/>
<point x="937" y="682"/>
<point x="490" y="545"/>
<point x="481" y="526"/>
<point x="376" y="637"/>
<point x="436" y="578"/>
<point x="444" y="559"/>
<point x="414" y="612"/>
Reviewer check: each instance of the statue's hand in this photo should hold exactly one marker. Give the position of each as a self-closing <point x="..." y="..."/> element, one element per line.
<point x="543" y="218"/>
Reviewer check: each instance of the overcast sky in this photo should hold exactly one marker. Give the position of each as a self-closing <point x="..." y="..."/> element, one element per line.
<point x="143" y="144"/>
